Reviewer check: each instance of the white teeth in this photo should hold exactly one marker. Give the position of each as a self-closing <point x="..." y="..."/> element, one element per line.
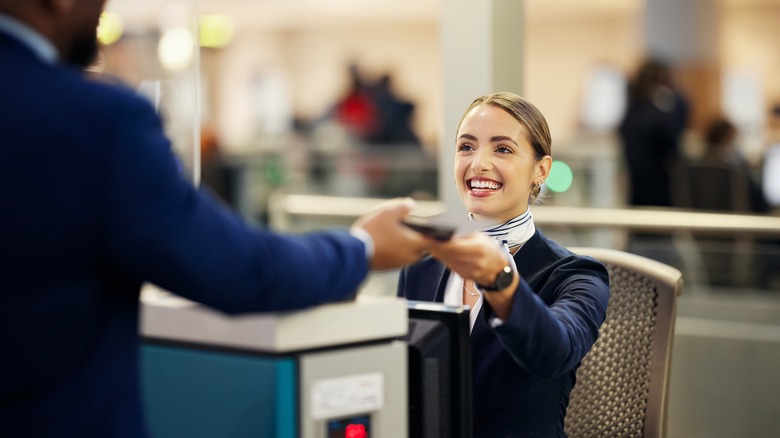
<point x="480" y="184"/>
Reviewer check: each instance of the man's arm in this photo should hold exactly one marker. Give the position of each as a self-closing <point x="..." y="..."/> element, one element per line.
<point x="160" y="229"/>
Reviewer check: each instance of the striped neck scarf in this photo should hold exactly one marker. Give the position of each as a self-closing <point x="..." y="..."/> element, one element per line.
<point x="513" y="232"/>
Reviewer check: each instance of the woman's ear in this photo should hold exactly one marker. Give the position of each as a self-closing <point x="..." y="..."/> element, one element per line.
<point x="542" y="168"/>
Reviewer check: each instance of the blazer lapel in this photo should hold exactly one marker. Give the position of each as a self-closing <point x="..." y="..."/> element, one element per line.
<point x="443" y="275"/>
<point x="529" y="265"/>
<point x="426" y="280"/>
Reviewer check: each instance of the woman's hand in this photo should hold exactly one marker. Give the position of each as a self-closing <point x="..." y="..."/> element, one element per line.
<point x="479" y="258"/>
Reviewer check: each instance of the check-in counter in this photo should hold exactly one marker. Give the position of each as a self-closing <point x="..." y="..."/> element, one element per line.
<point x="329" y="371"/>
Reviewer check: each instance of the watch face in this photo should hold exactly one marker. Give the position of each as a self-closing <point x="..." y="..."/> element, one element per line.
<point x="503" y="279"/>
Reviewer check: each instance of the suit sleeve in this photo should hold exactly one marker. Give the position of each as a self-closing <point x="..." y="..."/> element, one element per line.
<point x="159" y="228"/>
<point x="549" y="340"/>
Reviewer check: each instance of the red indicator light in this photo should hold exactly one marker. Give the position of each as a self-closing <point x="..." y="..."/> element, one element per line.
<point x="355" y="431"/>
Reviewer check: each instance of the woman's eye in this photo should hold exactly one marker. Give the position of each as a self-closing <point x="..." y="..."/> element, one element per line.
<point x="465" y="147"/>
<point x="504" y="150"/>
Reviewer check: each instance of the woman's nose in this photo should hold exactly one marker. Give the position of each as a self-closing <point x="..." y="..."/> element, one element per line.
<point x="481" y="161"/>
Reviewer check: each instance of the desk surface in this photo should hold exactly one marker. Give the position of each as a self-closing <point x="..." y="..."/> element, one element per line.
<point x="171" y="318"/>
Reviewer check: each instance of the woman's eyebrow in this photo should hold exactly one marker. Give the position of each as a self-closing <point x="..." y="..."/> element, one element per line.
<point x="493" y="139"/>
<point x="503" y="138"/>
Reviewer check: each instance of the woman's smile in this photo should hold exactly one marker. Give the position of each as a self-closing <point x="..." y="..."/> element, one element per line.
<point x="482" y="187"/>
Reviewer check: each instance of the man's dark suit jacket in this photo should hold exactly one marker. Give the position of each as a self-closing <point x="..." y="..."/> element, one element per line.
<point x="524" y="369"/>
<point x="92" y="206"/>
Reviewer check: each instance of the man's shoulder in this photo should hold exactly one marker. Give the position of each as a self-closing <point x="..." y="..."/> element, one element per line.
<point x="44" y="90"/>
<point x="103" y="93"/>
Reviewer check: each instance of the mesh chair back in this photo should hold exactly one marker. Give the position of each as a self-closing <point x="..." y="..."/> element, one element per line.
<point x="622" y="383"/>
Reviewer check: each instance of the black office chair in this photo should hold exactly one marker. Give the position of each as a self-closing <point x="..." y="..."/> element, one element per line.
<point x="622" y="384"/>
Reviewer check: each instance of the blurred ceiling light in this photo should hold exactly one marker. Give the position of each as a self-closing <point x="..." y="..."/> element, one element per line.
<point x="110" y="29"/>
<point x="216" y="30"/>
<point x="176" y="48"/>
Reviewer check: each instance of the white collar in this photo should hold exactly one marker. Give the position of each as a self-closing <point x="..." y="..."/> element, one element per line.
<point x="514" y="232"/>
<point x="31" y="38"/>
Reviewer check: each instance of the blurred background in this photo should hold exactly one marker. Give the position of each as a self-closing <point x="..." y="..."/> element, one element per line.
<point x="297" y="113"/>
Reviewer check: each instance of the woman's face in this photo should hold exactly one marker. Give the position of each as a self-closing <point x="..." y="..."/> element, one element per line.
<point x="495" y="165"/>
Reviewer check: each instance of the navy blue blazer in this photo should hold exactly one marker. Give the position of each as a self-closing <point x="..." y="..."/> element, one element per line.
<point x="524" y="369"/>
<point x="92" y="206"/>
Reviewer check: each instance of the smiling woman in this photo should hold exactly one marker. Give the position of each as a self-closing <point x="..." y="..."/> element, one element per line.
<point x="536" y="308"/>
<point x="502" y="156"/>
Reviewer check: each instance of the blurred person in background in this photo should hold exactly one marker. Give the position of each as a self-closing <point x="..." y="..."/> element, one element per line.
<point x="770" y="172"/>
<point x="372" y="113"/>
<point x="215" y="173"/>
<point x="356" y="111"/>
<point x="720" y="180"/>
<point x="536" y="308"/>
<point x="721" y="151"/>
<point x="651" y="129"/>
<point x="394" y="116"/>
<point x="381" y="155"/>
<point x="94" y="205"/>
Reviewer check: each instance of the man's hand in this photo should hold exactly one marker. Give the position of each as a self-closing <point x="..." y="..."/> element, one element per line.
<point x="394" y="243"/>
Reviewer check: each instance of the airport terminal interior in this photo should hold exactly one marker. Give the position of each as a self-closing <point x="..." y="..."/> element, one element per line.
<point x="299" y="114"/>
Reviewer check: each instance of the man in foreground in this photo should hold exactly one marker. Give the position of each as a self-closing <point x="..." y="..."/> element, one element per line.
<point x="93" y="206"/>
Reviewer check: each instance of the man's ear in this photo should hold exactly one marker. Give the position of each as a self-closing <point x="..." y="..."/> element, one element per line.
<point x="59" y="6"/>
